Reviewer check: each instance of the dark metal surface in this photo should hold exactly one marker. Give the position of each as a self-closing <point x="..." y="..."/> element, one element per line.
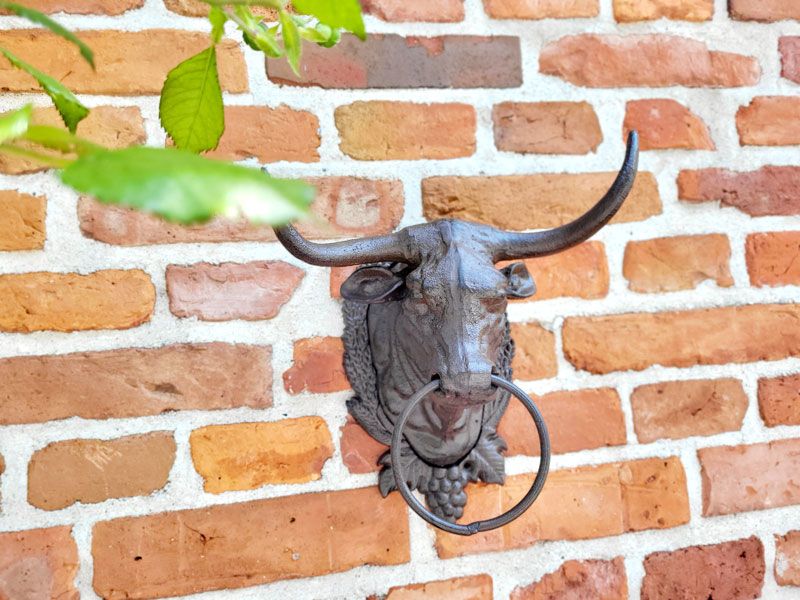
<point x="484" y="525"/>
<point x="430" y="304"/>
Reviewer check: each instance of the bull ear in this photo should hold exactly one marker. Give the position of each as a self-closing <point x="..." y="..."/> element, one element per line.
<point x="372" y="285"/>
<point x="520" y="282"/>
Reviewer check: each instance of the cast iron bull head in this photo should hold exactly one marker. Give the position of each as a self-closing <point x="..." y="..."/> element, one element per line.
<point x="429" y="304"/>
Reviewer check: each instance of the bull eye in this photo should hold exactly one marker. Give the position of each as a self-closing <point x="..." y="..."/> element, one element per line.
<point x="494" y="304"/>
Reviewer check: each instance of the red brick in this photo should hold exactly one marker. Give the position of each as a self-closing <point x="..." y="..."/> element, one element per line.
<point x="766" y="11"/>
<point x="552" y="199"/>
<point x="134" y="382"/>
<point x="120" y="72"/>
<point x="772" y="258"/>
<point x="731" y="570"/>
<point x="546" y="127"/>
<point x="628" y="11"/>
<point x="38" y="563"/>
<point x="91" y="471"/>
<point x="269" y="134"/>
<point x="250" y="291"/>
<point x="767" y="191"/>
<point x="86" y="7"/>
<point x="246" y="456"/>
<point x="394" y="61"/>
<point x="789" y="48"/>
<point x="779" y="400"/>
<point x="234" y="545"/>
<point x="582" y="503"/>
<point x="380" y="130"/>
<point x="679" y="409"/>
<point x="344" y="207"/>
<point x="22" y="225"/>
<point x="541" y="9"/>
<point x="437" y="11"/>
<point x="473" y="587"/>
<point x="360" y="451"/>
<point x="576" y="579"/>
<point x="666" y="124"/>
<point x="579" y="420"/>
<point x="787" y="558"/>
<point x="338" y="276"/>
<point x="654" y="60"/>
<point x="677" y="263"/>
<point x="769" y="121"/>
<point x="754" y="477"/>
<point x="113" y="299"/>
<point x="318" y="367"/>
<point x="535" y="356"/>
<point x="681" y="339"/>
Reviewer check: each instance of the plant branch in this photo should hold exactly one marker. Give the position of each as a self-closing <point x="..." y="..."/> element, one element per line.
<point x="50" y="161"/>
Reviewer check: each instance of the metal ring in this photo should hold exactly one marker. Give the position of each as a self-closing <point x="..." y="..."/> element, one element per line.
<point x="477" y="526"/>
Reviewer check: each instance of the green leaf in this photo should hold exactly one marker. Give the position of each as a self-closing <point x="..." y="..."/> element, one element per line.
<point x="291" y="41"/>
<point x="191" y="109"/>
<point x="218" y="19"/>
<point x="187" y="188"/>
<point x="69" y="107"/>
<point x="15" y="123"/>
<point x="345" y="14"/>
<point x="40" y="19"/>
<point x="55" y="138"/>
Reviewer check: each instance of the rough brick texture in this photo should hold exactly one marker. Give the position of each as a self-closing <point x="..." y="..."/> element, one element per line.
<point x="535" y="357"/>
<point x="438" y="11"/>
<point x="666" y="124"/>
<point x="549" y="200"/>
<point x="546" y="127"/>
<point x="70" y="302"/>
<point x="772" y="258"/>
<point x="244" y="456"/>
<point x="770" y="121"/>
<point x="38" y="563"/>
<point x="22" y="221"/>
<point x="627" y="11"/>
<point x="134" y="382"/>
<point x="119" y="72"/>
<point x="582" y="503"/>
<point x="598" y="579"/>
<point x="778" y="400"/>
<point x="89" y="471"/>
<point x="392" y="61"/>
<point x="360" y="451"/>
<point x="789" y="48"/>
<point x="679" y="409"/>
<point x="541" y="9"/>
<point x="346" y="207"/>
<point x="732" y="570"/>
<point x="787" y="558"/>
<point x="677" y="263"/>
<point x="86" y="7"/>
<point x="754" y="477"/>
<point x="405" y="131"/>
<point x="251" y="291"/>
<point x="682" y="339"/>
<point x="190" y="551"/>
<point x="317" y="367"/>
<point x="476" y="587"/>
<point x="763" y="10"/>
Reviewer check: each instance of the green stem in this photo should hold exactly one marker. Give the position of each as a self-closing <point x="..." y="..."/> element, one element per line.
<point x="50" y="161"/>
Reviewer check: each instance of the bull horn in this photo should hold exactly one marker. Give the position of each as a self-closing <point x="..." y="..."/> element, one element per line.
<point x="342" y="254"/>
<point x="512" y="245"/>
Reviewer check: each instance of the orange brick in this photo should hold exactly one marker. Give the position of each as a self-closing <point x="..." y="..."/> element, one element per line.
<point x="546" y="127"/>
<point x="682" y="339"/>
<point x="772" y="258"/>
<point x="677" y="263"/>
<point x="535" y="356"/>
<point x="769" y="121"/>
<point x="245" y="456"/>
<point x="71" y="302"/>
<point x="406" y="131"/>
<point x="778" y="400"/>
<point x="679" y="409"/>
<point x="541" y="9"/>
<point x="318" y="367"/>
<point x="360" y="451"/>
<point x="38" y="563"/>
<point x="556" y="198"/>
<point x="787" y="558"/>
<point x="86" y="7"/>
<point x="90" y="471"/>
<point x="582" y="503"/>
<point x="754" y="477"/>
<point x="269" y="135"/>
<point x="110" y="126"/>
<point x="763" y="10"/>
<point x="234" y="545"/>
<point x="626" y="11"/>
<point x="599" y="579"/>
<point x="577" y="420"/>
<point x="120" y="72"/>
<point x="135" y="382"/>
<point x="665" y="124"/>
<point x="22" y="225"/>
<point x="437" y="11"/>
<point x="473" y="587"/>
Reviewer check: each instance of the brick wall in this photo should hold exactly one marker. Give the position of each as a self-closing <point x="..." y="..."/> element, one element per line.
<point x="172" y="415"/>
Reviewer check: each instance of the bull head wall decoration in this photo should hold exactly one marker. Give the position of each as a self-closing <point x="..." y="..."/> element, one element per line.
<point x="428" y="349"/>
